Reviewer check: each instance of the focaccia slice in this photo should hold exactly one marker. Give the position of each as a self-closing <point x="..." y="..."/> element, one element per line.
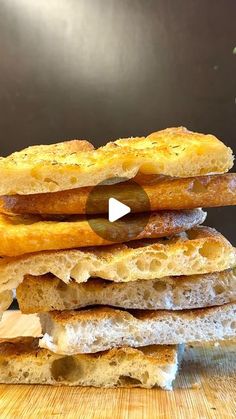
<point x="198" y="251"/>
<point x="173" y="152"/>
<point x="163" y="193"/>
<point x="23" y="362"/>
<point x="29" y="234"/>
<point x="98" y="329"/>
<point x="38" y="294"/>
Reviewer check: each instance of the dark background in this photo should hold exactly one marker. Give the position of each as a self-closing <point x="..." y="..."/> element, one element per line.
<point x="104" y="69"/>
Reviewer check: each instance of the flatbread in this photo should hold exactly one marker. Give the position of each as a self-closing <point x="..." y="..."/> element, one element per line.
<point x="44" y="293"/>
<point x="23" y="362"/>
<point x="163" y="193"/>
<point x="173" y="152"/>
<point x="28" y="234"/>
<point x="98" y="329"/>
<point x="198" y="251"/>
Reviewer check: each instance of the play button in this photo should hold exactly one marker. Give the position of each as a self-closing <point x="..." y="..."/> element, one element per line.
<point x="117" y="210"/>
<point x="114" y="203"/>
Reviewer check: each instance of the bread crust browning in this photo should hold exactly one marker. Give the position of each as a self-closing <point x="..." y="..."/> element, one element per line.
<point x="105" y="312"/>
<point x="23" y="362"/>
<point x="163" y="193"/>
<point x="23" y="346"/>
<point x="95" y="329"/>
<point x="6" y="298"/>
<point x="19" y="346"/>
<point x="198" y="251"/>
<point x="29" y="234"/>
<point x="174" y="152"/>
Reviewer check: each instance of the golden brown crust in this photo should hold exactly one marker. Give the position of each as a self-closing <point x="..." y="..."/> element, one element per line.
<point x="105" y="312"/>
<point x="22" y="362"/>
<point x="6" y="298"/>
<point x="19" y="346"/>
<point x="198" y="251"/>
<point x="173" y="152"/>
<point x="163" y="193"/>
<point x="28" y="234"/>
<point x="51" y="152"/>
<point x="27" y="346"/>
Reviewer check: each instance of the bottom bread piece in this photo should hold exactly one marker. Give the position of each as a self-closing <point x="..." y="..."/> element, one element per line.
<point x="102" y="328"/>
<point x="23" y="362"/>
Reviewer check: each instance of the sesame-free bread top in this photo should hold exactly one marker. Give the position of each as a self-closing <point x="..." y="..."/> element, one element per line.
<point x="23" y="362"/>
<point x="29" y="234"/>
<point x="45" y="293"/>
<point x="101" y="328"/>
<point x="163" y="193"/>
<point x="173" y="152"/>
<point x="198" y="251"/>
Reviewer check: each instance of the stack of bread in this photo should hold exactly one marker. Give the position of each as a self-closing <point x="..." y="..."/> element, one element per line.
<point x="115" y="313"/>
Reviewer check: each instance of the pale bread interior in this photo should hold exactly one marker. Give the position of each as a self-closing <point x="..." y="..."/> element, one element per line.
<point x="201" y="250"/>
<point x="98" y="329"/>
<point x="22" y="362"/>
<point x="47" y="293"/>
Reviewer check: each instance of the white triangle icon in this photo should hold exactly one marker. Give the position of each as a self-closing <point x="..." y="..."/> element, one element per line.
<point x="116" y="210"/>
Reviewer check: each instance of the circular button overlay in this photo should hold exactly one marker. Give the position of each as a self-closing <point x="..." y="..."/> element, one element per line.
<point x="109" y="199"/>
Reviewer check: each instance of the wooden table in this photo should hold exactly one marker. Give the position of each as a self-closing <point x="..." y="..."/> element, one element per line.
<point x="205" y="388"/>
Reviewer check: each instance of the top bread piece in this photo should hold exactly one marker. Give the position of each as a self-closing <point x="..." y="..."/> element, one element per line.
<point x="174" y="152"/>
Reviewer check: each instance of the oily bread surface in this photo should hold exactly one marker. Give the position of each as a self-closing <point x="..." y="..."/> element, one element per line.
<point x="47" y="293"/>
<point x="29" y="234"/>
<point x="173" y="152"/>
<point x="100" y="328"/>
<point x="198" y="251"/>
<point x="163" y="193"/>
<point x="23" y="362"/>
